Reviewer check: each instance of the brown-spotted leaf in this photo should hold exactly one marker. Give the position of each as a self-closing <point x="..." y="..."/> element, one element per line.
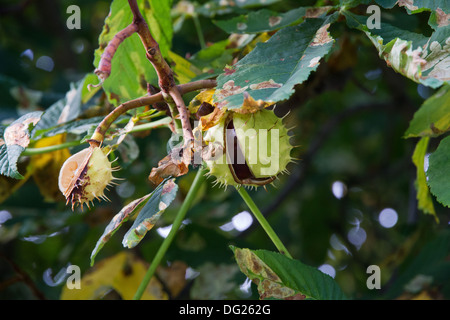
<point x="273" y="68"/>
<point x="250" y="105"/>
<point x="119" y="219"/>
<point x="280" y="277"/>
<point x="156" y="204"/>
<point x="268" y="282"/>
<point x="18" y="132"/>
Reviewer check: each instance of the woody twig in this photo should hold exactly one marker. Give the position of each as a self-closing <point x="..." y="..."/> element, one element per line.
<point x="101" y="129"/>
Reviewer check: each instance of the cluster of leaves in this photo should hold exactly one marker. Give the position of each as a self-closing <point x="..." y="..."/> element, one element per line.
<point x="274" y="52"/>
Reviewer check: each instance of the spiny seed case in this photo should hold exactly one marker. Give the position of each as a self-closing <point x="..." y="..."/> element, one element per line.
<point x="85" y="175"/>
<point x="256" y="148"/>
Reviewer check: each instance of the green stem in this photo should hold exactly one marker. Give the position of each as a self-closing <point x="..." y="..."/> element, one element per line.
<point x="262" y="220"/>
<point x="199" y="30"/>
<point x="103" y="126"/>
<point x="36" y="151"/>
<point x="199" y="179"/>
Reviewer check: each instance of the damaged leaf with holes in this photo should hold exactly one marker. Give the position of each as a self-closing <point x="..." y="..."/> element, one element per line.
<point x="438" y="172"/>
<point x="418" y="57"/>
<point x="159" y="200"/>
<point x="261" y="21"/>
<point x="119" y="219"/>
<point x="150" y="207"/>
<point x="270" y="71"/>
<point x="279" y="277"/>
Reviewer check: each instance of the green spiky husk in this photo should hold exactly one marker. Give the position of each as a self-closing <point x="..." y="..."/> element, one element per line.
<point x="265" y="160"/>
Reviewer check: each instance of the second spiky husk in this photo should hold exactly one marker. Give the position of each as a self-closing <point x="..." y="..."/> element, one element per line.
<point x="262" y="141"/>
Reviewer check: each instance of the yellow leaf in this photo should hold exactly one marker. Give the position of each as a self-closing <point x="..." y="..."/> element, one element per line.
<point x="425" y="202"/>
<point x="212" y="119"/>
<point x="204" y="96"/>
<point x="46" y="167"/>
<point x="123" y="273"/>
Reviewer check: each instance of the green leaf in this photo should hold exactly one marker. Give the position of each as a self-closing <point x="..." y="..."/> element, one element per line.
<point x="280" y="277"/>
<point x="62" y="111"/>
<point x="183" y="69"/>
<point x="8" y="160"/>
<point x="219" y="7"/>
<point x="438" y="172"/>
<point x="439" y="17"/>
<point x="261" y="21"/>
<point x="433" y="117"/>
<point x="14" y="139"/>
<point x="119" y="219"/>
<point x="214" y="56"/>
<point x="387" y="32"/>
<point x="437" y="57"/>
<point x="77" y="127"/>
<point x="251" y="3"/>
<point x="273" y="68"/>
<point x="159" y="21"/>
<point x="80" y="127"/>
<point x="159" y="200"/>
<point x="421" y="59"/>
<point x="416" y="6"/>
<point x="425" y="202"/>
<point x="130" y="69"/>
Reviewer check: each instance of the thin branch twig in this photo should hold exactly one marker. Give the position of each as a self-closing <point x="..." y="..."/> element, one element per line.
<point x="165" y="74"/>
<point x="101" y="129"/>
<point x="104" y="66"/>
<point x="195" y="186"/>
